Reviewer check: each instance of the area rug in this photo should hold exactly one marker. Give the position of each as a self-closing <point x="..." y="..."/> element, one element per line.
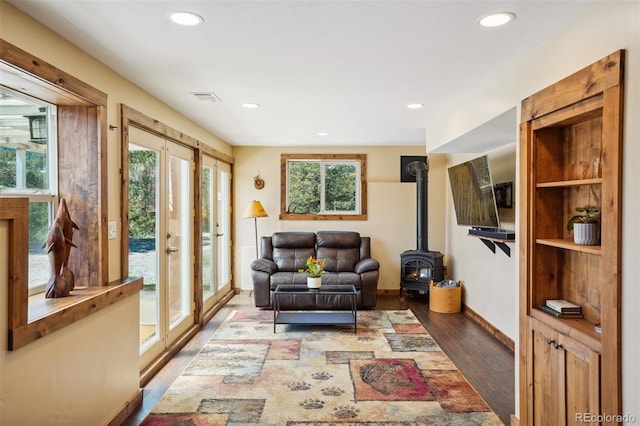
<point x="391" y="372"/>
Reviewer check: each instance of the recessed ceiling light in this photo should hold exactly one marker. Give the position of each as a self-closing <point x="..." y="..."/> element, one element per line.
<point x="496" y="19"/>
<point x="250" y="105"/>
<point x="186" y="18"/>
<point x="322" y="134"/>
<point x="415" y="106"/>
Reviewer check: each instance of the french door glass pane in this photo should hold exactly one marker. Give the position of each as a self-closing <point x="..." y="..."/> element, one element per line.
<point x="209" y="232"/>
<point x="224" y="226"/>
<point x="178" y="239"/>
<point x="143" y="228"/>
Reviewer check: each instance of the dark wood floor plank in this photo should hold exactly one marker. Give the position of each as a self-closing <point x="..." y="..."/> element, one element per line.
<point x="485" y="362"/>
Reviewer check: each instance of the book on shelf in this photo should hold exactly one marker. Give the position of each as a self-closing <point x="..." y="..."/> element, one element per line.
<point x="551" y="311"/>
<point x="562" y="305"/>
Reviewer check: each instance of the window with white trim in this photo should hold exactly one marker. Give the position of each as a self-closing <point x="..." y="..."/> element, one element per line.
<point x="28" y="168"/>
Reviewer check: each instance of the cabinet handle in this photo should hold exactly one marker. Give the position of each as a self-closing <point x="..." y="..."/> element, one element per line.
<point x="555" y="344"/>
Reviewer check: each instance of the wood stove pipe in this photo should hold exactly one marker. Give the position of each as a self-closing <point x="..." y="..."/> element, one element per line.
<point x="421" y="170"/>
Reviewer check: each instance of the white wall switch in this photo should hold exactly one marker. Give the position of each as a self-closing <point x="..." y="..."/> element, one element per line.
<point x="112" y="230"/>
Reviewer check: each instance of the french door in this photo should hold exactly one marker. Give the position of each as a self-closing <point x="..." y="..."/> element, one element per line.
<point x="216" y="230"/>
<point x="161" y="216"/>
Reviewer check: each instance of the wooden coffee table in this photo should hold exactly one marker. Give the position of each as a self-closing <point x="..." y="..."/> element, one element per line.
<point x="315" y="311"/>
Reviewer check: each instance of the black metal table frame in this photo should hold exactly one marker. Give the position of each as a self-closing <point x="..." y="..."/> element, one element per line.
<point x="316" y="317"/>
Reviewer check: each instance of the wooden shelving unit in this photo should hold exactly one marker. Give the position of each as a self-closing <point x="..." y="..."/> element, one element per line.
<point x="571" y="141"/>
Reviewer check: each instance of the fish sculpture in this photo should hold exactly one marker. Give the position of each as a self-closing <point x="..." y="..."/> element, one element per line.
<point x="68" y="226"/>
<point x="58" y="245"/>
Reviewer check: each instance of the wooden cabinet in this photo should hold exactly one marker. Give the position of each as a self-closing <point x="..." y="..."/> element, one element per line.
<point x="566" y="377"/>
<point x="570" y="156"/>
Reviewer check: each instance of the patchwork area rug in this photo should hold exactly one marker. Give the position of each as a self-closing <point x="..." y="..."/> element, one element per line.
<point x="390" y="372"/>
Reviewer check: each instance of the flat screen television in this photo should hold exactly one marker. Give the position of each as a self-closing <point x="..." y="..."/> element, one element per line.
<point x="473" y="197"/>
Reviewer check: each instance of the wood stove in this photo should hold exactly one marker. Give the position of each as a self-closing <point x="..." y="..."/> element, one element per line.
<point x="419" y="267"/>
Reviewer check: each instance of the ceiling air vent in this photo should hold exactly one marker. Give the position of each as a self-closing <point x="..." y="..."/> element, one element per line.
<point x="206" y="96"/>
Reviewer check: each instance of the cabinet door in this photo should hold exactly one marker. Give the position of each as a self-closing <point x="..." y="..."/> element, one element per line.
<point x="581" y="379"/>
<point x="564" y="378"/>
<point x="545" y="377"/>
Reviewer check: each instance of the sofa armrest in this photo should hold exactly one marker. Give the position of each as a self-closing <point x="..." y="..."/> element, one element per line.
<point x="365" y="265"/>
<point x="264" y="265"/>
<point x="261" y="271"/>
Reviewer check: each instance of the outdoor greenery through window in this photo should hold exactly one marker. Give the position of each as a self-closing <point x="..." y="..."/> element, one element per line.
<point x="28" y="168"/>
<point x="323" y="187"/>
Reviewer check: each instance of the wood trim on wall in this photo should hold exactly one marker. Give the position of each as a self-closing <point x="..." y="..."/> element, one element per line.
<point x="131" y="117"/>
<point x="16" y="212"/>
<point x="40" y="79"/>
<point x="495" y="332"/>
<point x="82" y="166"/>
<point x="284" y="215"/>
<point x="82" y="127"/>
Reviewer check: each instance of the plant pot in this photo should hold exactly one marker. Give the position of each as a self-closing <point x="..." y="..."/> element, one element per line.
<point x="586" y="234"/>
<point x="314" y="282"/>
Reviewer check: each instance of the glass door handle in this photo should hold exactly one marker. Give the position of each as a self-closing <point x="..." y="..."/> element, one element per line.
<point x="172" y="249"/>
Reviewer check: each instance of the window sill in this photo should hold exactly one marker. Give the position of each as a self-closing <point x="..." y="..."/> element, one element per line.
<point x="48" y="315"/>
<point x="303" y="216"/>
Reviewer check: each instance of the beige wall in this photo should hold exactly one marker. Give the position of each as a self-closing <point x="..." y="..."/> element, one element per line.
<point x="489" y="278"/>
<point x="77" y="376"/>
<point x="607" y="27"/>
<point x="84" y="373"/>
<point x="391" y="206"/>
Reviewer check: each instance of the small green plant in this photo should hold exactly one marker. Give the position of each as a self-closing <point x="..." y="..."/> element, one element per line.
<point x="588" y="215"/>
<point x="315" y="267"/>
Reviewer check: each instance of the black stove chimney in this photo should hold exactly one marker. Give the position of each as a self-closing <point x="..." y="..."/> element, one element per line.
<point x="419" y="267"/>
<point x="421" y="171"/>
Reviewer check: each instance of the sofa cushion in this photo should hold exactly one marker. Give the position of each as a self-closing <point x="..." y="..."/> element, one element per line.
<point x="291" y="249"/>
<point x="340" y="249"/>
<point x="338" y="239"/>
<point x="287" y="278"/>
<point x="342" y="278"/>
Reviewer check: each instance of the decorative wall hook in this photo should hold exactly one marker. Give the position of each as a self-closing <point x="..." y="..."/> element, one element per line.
<point x="258" y="182"/>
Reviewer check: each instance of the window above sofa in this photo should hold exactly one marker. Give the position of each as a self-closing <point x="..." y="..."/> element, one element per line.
<point x="323" y="187"/>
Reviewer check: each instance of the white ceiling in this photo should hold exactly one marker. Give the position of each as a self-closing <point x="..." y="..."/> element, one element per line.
<point x="343" y="67"/>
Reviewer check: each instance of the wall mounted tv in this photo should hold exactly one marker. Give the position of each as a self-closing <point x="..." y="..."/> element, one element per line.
<point x="473" y="197"/>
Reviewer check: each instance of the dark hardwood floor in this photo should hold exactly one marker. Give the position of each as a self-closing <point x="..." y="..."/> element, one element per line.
<point x="485" y="362"/>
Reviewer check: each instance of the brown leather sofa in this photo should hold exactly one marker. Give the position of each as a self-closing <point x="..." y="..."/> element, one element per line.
<point x="347" y="261"/>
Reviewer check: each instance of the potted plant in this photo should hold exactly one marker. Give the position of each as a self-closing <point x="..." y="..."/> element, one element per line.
<point x="585" y="226"/>
<point x="314" y="269"/>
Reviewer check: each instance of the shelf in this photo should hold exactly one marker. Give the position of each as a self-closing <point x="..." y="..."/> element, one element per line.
<point x="569" y="245"/>
<point x="571" y="157"/>
<point x="493" y="242"/>
<point x="579" y="329"/>
<point x="566" y="183"/>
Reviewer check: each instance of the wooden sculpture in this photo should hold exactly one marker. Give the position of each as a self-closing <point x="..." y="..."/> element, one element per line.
<point x="58" y="244"/>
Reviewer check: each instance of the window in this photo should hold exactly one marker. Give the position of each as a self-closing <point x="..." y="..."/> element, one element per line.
<point x="28" y="168"/>
<point x="79" y="114"/>
<point x="319" y="186"/>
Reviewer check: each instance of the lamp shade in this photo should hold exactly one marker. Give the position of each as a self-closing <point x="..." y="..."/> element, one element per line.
<point x="254" y="209"/>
